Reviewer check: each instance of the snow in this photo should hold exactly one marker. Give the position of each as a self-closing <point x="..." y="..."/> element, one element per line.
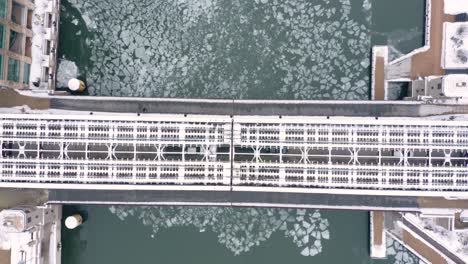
<point x="455" y="7"/>
<point x="379" y="251"/>
<point x="455" y="85"/>
<point x="457" y="242"/>
<point x="5" y="241"/>
<point x="455" y="51"/>
<point x="39" y="36"/>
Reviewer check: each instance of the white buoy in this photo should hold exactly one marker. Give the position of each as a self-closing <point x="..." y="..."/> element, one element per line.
<point x="76" y="85"/>
<point x="73" y="221"/>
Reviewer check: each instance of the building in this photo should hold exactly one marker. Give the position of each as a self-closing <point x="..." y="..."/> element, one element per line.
<point x="454" y="60"/>
<point x="28" y="41"/>
<point x="436" y="72"/>
<point x="15" y="42"/>
<point x="31" y="234"/>
<point x="449" y="86"/>
<point x="19" y="220"/>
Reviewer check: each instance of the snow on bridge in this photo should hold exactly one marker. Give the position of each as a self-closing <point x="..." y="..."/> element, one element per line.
<point x="103" y="151"/>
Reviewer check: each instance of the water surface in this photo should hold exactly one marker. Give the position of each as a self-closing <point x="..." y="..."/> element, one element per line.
<point x="268" y="49"/>
<point x="275" y="49"/>
<point x="221" y="235"/>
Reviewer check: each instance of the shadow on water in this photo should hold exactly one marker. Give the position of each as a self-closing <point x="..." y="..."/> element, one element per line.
<point x="73" y="40"/>
<point x="72" y="243"/>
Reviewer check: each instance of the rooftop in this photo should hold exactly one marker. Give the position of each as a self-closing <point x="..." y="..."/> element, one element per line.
<point x="455" y="7"/>
<point x="455" y="46"/>
<point x="455" y="85"/>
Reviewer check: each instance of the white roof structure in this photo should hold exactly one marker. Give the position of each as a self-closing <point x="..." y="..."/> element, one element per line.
<point x="13" y="220"/>
<point x="455" y="85"/>
<point x="455" y="46"/>
<point x="464" y="216"/>
<point x="455" y="7"/>
<point x="28" y="241"/>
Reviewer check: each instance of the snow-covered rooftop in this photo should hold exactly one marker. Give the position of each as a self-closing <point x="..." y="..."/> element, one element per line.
<point x="45" y="30"/>
<point x="455" y="7"/>
<point x="455" y="85"/>
<point x="455" y="46"/>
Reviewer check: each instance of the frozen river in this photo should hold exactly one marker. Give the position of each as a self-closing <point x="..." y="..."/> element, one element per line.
<point x="275" y="49"/>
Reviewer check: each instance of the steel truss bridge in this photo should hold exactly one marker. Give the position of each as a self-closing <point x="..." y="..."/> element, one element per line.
<point x="405" y="156"/>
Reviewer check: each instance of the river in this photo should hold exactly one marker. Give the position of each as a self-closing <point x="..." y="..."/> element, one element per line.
<point x="221" y="235"/>
<point x="245" y="49"/>
<point x="263" y="49"/>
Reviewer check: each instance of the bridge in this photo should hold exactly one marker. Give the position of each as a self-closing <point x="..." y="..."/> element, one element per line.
<point x="289" y="154"/>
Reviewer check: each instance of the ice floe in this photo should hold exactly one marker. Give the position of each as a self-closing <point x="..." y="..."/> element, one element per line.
<point x="238" y="229"/>
<point x="66" y="71"/>
<point x="282" y="49"/>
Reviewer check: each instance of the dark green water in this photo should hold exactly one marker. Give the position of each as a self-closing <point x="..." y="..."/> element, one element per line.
<point x="262" y="49"/>
<point x="269" y="49"/>
<point x="220" y="235"/>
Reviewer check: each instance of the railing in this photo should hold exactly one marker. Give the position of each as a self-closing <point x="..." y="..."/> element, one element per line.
<point x="288" y="152"/>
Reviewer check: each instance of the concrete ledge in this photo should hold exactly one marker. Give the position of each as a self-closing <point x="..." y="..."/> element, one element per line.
<point x="379" y="65"/>
<point x="235" y="107"/>
<point x="237" y="199"/>
<point x="378" y="245"/>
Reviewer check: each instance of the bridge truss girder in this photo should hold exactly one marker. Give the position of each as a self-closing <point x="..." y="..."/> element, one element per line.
<point x="275" y="152"/>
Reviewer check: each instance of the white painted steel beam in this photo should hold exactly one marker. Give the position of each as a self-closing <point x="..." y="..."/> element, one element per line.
<point x="289" y="152"/>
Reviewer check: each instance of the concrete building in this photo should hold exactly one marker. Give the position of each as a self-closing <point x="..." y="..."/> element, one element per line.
<point x="28" y="41"/>
<point x="438" y="71"/>
<point x="31" y="234"/>
<point x="454" y="60"/>
<point x="18" y="220"/>
<point x="455" y="85"/>
<point x="448" y="86"/>
<point x="15" y="42"/>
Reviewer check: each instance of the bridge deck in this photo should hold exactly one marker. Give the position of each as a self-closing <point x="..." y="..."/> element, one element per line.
<point x="240" y="153"/>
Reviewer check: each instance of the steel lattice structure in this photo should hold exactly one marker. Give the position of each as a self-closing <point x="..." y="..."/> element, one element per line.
<point x="113" y="151"/>
<point x="362" y="154"/>
<point x="221" y="152"/>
